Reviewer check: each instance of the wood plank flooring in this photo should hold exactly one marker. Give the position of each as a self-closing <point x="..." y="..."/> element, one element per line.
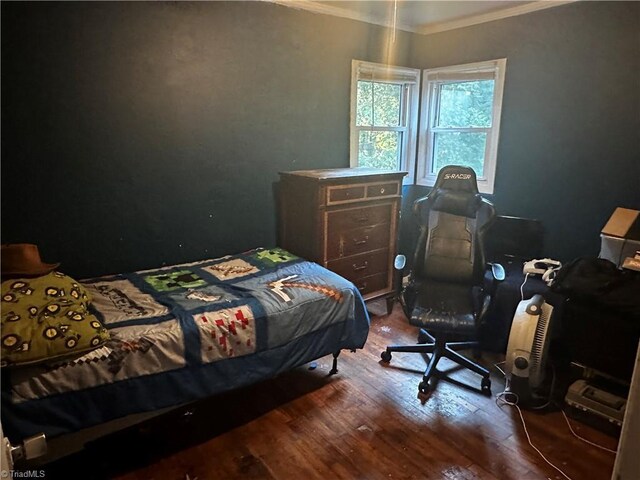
<point x="366" y="423"/>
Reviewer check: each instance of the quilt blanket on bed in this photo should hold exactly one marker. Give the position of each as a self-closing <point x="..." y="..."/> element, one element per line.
<point x="183" y="332"/>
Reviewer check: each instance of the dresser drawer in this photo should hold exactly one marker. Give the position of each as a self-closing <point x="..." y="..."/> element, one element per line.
<point x="358" y="266"/>
<point x="382" y="190"/>
<point x="359" y="217"/>
<point x="344" y="243"/>
<point x="343" y="194"/>
<point x="372" y="283"/>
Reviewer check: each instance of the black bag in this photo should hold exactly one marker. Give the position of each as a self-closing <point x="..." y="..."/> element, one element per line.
<point x="600" y="281"/>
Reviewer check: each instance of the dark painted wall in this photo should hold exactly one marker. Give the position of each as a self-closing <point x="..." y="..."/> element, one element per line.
<point x="569" y="149"/>
<point x="138" y="134"/>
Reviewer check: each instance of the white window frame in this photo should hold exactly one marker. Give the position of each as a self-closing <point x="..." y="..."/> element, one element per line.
<point x="435" y="77"/>
<point x="409" y="78"/>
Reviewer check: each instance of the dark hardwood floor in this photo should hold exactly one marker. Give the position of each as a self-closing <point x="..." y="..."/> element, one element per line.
<point x="364" y="423"/>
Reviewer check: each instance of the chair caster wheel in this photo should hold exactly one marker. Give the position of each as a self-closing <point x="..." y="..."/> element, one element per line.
<point x="486" y="386"/>
<point x="424" y="388"/>
<point x="385" y="356"/>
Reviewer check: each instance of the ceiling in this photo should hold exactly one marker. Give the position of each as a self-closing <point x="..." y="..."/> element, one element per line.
<point x="423" y="16"/>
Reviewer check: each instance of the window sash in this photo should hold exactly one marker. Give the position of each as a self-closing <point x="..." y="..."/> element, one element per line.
<point x="409" y="78"/>
<point x="402" y="115"/>
<point x="386" y="73"/>
<point x="454" y="77"/>
<point x="366" y="128"/>
<point x="432" y="159"/>
<point x="401" y="143"/>
<point x="433" y="79"/>
<point x="437" y="99"/>
<point x="432" y="129"/>
<point x="462" y="129"/>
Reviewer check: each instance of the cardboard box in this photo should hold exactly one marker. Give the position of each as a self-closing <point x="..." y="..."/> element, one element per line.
<point x="620" y="237"/>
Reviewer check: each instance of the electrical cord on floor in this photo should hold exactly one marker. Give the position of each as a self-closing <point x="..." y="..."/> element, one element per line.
<point x="551" y="388"/>
<point x="584" y="439"/>
<point x="502" y="398"/>
<point x="499" y="369"/>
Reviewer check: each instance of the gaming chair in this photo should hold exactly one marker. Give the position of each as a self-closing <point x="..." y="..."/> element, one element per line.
<point x="446" y="295"/>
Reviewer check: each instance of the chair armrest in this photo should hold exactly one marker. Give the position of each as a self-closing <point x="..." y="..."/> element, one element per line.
<point x="497" y="271"/>
<point x="399" y="264"/>
<point x="497" y="275"/>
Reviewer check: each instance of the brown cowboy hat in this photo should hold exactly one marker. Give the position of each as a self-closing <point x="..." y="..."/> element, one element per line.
<point x="23" y="259"/>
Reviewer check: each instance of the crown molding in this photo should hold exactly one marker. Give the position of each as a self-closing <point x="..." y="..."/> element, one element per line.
<point x="427" y="29"/>
<point x="491" y="16"/>
<point x="327" y="9"/>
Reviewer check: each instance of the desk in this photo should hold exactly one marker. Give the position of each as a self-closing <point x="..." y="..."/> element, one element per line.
<point x="601" y="338"/>
<point x="589" y="333"/>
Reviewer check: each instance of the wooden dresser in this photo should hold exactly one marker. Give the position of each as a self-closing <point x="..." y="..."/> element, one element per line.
<point x="346" y="220"/>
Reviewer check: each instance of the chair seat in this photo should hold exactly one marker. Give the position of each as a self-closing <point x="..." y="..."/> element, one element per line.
<point x="444" y="308"/>
<point x="443" y="322"/>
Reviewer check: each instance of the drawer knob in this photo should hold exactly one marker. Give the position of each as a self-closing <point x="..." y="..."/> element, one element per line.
<point x="381" y="190"/>
<point x="357" y="268"/>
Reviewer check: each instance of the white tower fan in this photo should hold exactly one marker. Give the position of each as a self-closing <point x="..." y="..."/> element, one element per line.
<point x="528" y="347"/>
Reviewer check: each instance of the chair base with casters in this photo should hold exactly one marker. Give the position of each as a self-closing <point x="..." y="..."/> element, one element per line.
<point x="438" y="348"/>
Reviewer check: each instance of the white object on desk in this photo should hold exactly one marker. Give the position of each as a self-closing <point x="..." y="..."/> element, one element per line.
<point x="620" y="237"/>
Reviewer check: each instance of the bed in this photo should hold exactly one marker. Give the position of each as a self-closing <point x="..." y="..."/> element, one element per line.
<point x="184" y="332"/>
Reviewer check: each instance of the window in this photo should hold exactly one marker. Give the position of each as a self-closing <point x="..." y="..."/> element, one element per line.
<point x="460" y="120"/>
<point x="384" y="115"/>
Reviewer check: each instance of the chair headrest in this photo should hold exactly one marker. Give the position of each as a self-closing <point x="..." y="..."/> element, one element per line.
<point x="456" y="202"/>
<point x="456" y="191"/>
<point x="455" y="177"/>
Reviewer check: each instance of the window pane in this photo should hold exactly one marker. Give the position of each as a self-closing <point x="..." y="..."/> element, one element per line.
<point x="459" y="148"/>
<point x="386" y="103"/>
<point x="379" y="149"/>
<point x="378" y="104"/>
<point x="363" y="108"/>
<point x="466" y="104"/>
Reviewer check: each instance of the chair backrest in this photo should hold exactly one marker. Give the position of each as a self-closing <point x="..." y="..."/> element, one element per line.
<point x="453" y="218"/>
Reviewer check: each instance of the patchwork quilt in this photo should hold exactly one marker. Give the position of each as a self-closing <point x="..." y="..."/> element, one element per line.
<point x="185" y="332"/>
